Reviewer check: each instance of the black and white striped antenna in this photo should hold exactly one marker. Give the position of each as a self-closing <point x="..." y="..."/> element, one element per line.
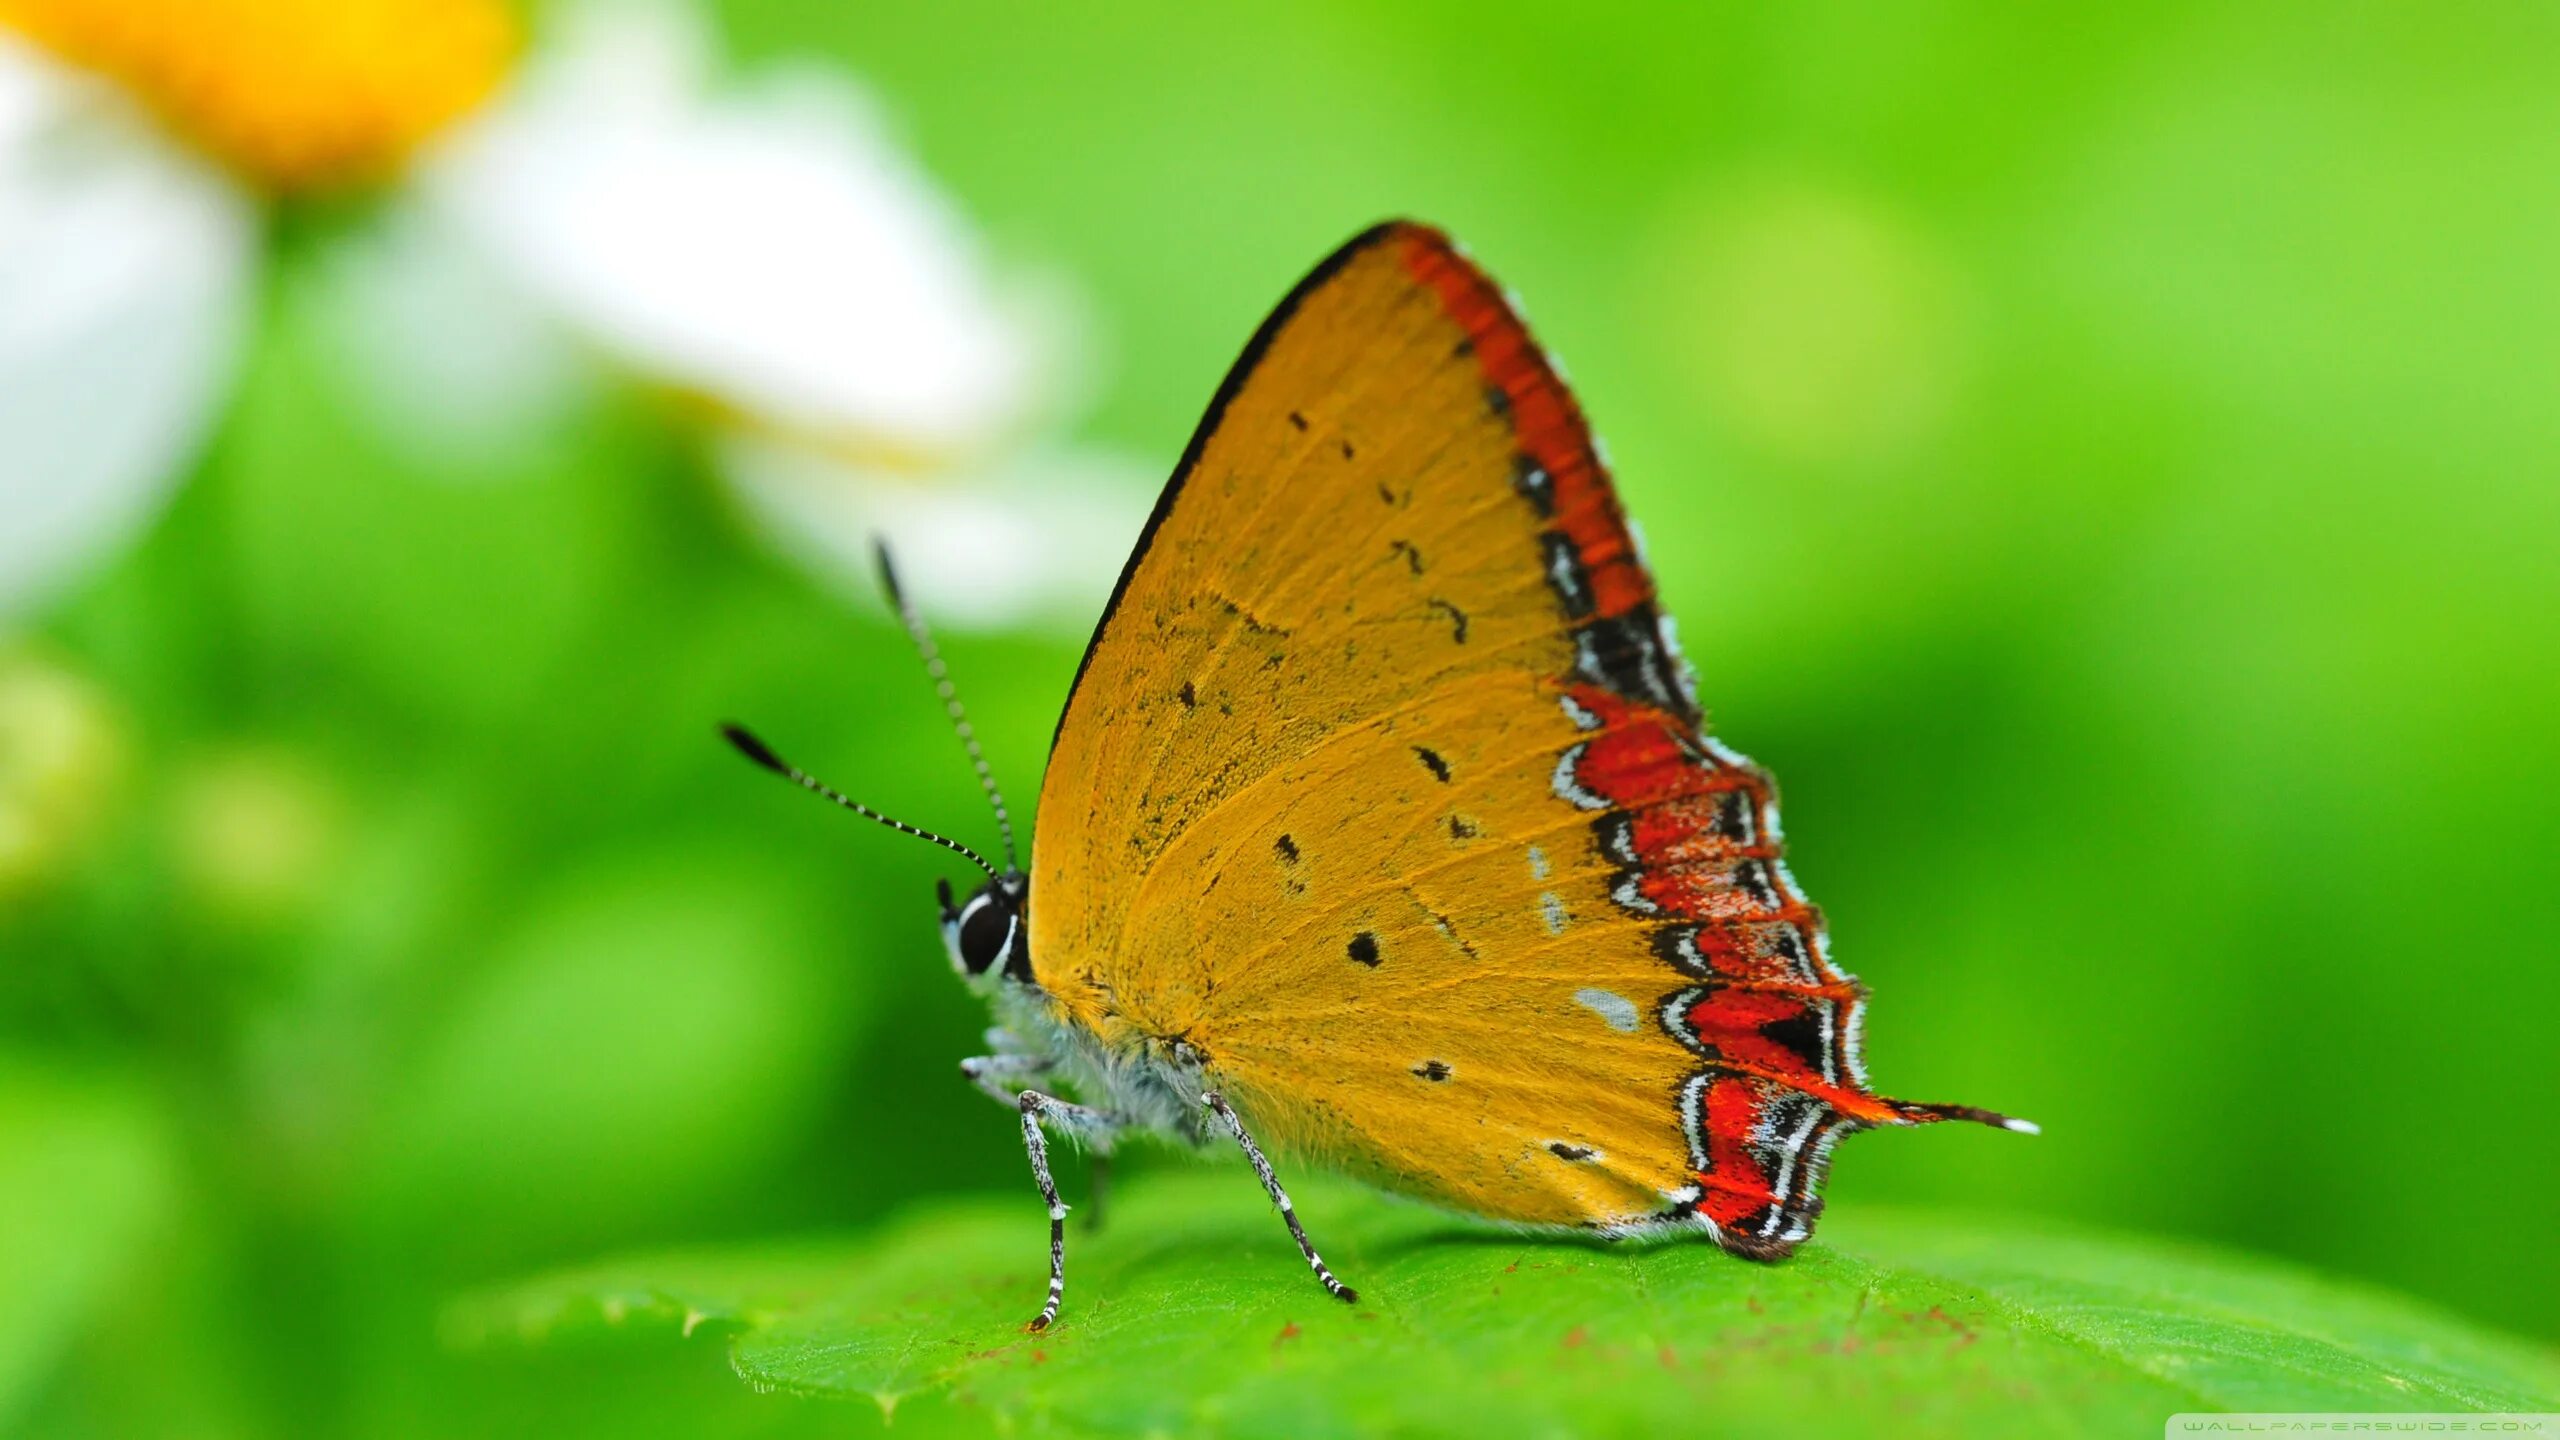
<point x="950" y="694"/>
<point x="761" y="753"/>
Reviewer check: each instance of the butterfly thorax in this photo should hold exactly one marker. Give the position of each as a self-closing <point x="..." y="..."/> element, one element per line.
<point x="1145" y="1070"/>
<point x="1150" y="1080"/>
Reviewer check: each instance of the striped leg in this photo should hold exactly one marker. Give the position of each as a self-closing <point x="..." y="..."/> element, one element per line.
<point x="1270" y="1182"/>
<point x="1090" y="1125"/>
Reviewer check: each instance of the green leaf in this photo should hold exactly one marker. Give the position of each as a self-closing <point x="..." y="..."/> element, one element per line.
<point x="1191" y="1312"/>
<point x="85" y="1181"/>
<point x="646" y="1029"/>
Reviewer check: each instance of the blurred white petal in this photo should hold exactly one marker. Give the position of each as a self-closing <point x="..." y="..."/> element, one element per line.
<point x="454" y="363"/>
<point x="125" y="271"/>
<point x="1038" y="543"/>
<point x="769" y="247"/>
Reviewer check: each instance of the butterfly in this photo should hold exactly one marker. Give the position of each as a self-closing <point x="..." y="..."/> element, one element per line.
<point x="1382" y="827"/>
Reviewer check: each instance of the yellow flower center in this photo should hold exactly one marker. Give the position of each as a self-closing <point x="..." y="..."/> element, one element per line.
<point x="295" y="95"/>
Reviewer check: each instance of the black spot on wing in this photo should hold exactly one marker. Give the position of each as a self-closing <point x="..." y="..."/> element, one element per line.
<point x="1448" y="931"/>
<point x="1534" y="484"/>
<point x="1286" y="848"/>
<point x="1432" y="762"/>
<point x="1565" y="575"/>
<point x="1457" y="618"/>
<point x="1626" y="654"/>
<point x="1190" y="697"/>
<point x="1562" y="1151"/>
<point x="1432" y="1070"/>
<point x="1752" y="878"/>
<point x="1733" y="816"/>
<point x="1615" y="833"/>
<point x="1364" y="948"/>
<point x="1677" y="947"/>
<point x="1801" y="1034"/>
<point x="1298" y="420"/>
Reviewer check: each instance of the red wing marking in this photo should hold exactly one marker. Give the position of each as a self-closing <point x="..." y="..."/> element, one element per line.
<point x="1559" y="465"/>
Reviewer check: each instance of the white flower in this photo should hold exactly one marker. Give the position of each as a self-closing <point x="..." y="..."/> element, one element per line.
<point x="767" y="248"/>
<point x="764" y="250"/>
<point x="124" y="277"/>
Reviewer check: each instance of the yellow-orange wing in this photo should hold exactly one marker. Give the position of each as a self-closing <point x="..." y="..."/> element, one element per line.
<point x="1382" y="789"/>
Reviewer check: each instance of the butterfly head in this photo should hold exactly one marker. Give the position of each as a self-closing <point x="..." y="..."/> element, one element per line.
<point x="988" y="934"/>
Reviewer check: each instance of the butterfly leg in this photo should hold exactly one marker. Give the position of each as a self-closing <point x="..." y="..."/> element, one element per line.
<point x="1094" y="1127"/>
<point x="1217" y="1103"/>
<point x="996" y="1076"/>
<point x="1001" y="1076"/>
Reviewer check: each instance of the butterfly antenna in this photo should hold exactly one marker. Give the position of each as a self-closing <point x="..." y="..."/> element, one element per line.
<point x="756" y="750"/>
<point x="950" y="694"/>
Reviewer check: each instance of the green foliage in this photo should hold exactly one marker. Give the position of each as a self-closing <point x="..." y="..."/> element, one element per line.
<point x="82" y="1182"/>
<point x="1190" y="1313"/>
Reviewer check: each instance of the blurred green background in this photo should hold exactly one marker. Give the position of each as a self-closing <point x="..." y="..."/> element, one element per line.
<point x="2106" y="461"/>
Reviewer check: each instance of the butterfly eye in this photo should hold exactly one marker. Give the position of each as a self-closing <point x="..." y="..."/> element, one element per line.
<point x="984" y="933"/>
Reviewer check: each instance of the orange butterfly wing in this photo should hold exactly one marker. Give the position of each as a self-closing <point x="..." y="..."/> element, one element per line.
<point x="1382" y="790"/>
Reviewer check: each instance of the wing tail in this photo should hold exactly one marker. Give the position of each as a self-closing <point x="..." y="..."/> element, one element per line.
<point x="1919" y="1113"/>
